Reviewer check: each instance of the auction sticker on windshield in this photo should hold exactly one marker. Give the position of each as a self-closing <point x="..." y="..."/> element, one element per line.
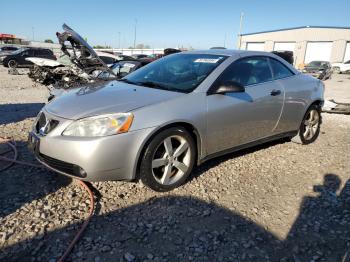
<point x="207" y="60"/>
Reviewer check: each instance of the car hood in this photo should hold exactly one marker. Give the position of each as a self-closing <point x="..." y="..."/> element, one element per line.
<point x="43" y="61"/>
<point x="114" y="97"/>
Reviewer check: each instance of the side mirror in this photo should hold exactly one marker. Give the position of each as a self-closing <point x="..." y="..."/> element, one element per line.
<point x="229" y="87"/>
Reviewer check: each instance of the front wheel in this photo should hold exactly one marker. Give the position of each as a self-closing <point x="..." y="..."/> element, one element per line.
<point x="12" y="64"/>
<point x="168" y="159"/>
<point x="310" y="126"/>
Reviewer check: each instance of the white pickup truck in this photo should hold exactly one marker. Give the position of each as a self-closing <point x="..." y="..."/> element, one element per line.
<point x="341" y="67"/>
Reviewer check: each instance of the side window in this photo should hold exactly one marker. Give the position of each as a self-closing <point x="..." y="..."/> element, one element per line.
<point x="37" y="52"/>
<point x="248" y="71"/>
<point x="279" y="69"/>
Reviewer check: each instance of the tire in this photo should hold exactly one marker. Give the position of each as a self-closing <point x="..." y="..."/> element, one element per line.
<point x="162" y="170"/>
<point x="309" y="128"/>
<point x="12" y="63"/>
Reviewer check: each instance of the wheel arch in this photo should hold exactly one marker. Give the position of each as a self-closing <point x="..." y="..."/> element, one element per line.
<point x="188" y="126"/>
<point x="11" y="59"/>
<point x="318" y="102"/>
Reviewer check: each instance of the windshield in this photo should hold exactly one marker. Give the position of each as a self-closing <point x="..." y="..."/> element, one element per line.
<point x="180" y="72"/>
<point x="315" y="63"/>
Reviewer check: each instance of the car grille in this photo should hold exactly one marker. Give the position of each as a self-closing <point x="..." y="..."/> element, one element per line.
<point x="59" y="165"/>
<point x="45" y="125"/>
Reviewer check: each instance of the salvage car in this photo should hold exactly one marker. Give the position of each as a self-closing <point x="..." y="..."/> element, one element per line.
<point x="319" y="69"/>
<point x="107" y="58"/>
<point x="161" y="120"/>
<point x="119" y="69"/>
<point x="79" y="65"/>
<point x="5" y="51"/>
<point x="123" y="68"/>
<point x="18" y="58"/>
<point x="339" y="68"/>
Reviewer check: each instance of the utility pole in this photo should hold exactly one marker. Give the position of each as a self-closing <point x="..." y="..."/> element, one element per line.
<point x="240" y="31"/>
<point x="135" y="33"/>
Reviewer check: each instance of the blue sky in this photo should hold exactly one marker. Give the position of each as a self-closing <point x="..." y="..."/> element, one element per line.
<point x="199" y="24"/>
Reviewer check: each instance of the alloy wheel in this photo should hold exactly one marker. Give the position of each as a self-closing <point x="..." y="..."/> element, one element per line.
<point x="171" y="160"/>
<point x="12" y="64"/>
<point x="311" y="124"/>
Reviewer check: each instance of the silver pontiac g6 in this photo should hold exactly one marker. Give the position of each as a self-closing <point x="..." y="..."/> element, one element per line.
<point x="160" y="121"/>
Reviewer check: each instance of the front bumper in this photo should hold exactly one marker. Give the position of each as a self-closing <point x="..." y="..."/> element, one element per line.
<point x="91" y="159"/>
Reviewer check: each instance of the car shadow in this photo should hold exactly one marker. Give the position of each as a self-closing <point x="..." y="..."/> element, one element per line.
<point x="178" y="228"/>
<point x="204" y="167"/>
<point x="22" y="184"/>
<point x="12" y="113"/>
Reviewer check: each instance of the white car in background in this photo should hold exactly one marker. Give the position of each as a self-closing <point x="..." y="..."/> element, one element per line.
<point x="107" y="58"/>
<point x="341" y="67"/>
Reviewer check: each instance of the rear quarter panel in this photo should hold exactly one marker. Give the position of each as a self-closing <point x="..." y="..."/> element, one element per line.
<point x="300" y="92"/>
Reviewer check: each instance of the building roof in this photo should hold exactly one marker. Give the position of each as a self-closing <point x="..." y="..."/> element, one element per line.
<point x="299" y="27"/>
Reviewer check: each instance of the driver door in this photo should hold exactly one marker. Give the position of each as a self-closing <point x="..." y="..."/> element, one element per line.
<point x="234" y="119"/>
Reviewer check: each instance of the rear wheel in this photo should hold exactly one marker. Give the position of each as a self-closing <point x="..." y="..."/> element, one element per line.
<point x="168" y="159"/>
<point x="12" y="64"/>
<point x="310" y="126"/>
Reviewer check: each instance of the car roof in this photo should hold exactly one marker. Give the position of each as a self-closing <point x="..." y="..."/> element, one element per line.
<point x="228" y="52"/>
<point x="232" y="52"/>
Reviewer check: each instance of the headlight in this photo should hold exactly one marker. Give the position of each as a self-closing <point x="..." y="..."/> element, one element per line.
<point x="320" y="72"/>
<point x="104" y="125"/>
<point x="304" y="71"/>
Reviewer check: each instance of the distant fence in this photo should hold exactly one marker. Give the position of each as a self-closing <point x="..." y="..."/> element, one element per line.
<point x="130" y="51"/>
<point x="56" y="48"/>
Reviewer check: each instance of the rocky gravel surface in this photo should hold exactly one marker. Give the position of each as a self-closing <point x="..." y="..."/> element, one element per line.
<point x="276" y="202"/>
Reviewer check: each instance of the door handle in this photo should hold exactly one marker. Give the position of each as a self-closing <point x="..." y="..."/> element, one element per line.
<point x="275" y="92"/>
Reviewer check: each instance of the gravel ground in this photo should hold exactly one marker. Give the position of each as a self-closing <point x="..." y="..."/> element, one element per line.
<point x="276" y="202"/>
<point x="338" y="87"/>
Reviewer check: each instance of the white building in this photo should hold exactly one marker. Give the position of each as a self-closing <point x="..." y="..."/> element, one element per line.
<point x="308" y="43"/>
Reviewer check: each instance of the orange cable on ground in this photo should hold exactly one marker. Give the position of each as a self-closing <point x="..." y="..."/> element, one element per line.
<point x="14" y="160"/>
<point x="86" y="222"/>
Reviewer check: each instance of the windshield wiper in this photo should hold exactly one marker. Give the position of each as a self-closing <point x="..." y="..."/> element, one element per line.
<point x="127" y="81"/>
<point x="159" y="86"/>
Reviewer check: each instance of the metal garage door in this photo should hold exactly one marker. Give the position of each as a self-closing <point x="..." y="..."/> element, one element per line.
<point x="318" y="51"/>
<point x="284" y="46"/>
<point x="256" y="46"/>
<point x="347" y="52"/>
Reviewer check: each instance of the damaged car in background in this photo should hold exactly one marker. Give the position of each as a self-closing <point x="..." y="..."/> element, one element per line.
<point x="319" y="69"/>
<point x="79" y="65"/>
